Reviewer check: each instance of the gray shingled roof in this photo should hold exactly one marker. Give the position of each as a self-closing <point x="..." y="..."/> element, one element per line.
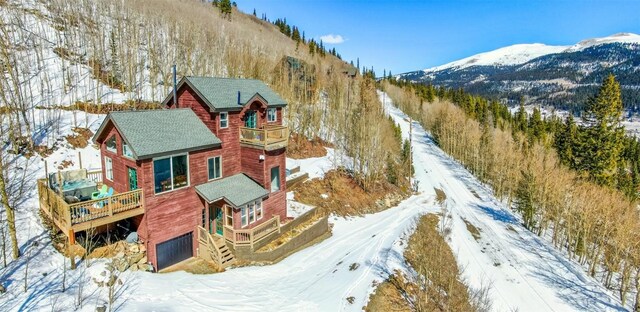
<point x="222" y="93"/>
<point x="237" y="190"/>
<point x="154" y="133"/>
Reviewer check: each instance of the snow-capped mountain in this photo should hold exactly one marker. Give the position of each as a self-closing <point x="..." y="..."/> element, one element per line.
<point x="562" y="76"/>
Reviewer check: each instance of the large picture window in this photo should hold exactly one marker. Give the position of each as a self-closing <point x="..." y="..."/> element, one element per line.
<point x="108" y="168"/>
<point x="224" y="120"/>
<point x="215" y="167"/>
<point x="110" y="144"/>
<point x="170" y="173"/>
<point x="251" y="212"/>
<point x="275" y="179"/>
<point x="271" y="115"/>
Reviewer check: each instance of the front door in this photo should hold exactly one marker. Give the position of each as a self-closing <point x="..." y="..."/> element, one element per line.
<point x="250" y="119"/>
<point x="133" y="179"/>
<point x="215" y="220"/>
<point x="219" y="221"/>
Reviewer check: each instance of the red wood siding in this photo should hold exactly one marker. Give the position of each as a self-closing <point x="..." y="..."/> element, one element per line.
<point x="252" y="166"/>
<point x="173" y="213"/>
<point x="120" y="181"/>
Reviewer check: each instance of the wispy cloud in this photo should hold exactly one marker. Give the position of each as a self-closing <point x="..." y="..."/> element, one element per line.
<point x="332" y="39"/>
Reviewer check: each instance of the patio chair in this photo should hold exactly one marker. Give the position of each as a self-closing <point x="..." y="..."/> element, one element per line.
<point x="99" y="194"/>
<point x="100" y="204"/>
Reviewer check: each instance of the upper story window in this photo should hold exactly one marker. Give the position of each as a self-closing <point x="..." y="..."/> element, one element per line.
<point x="108" y="168"/>
<point x="275" y="179"/>
<point x="214" y="165"/>
<point x="126" y="151"/>
<point x="224" y="120"/>
<point x="170" y="173"/>
<point x="110" y="144"/>
<point x="271" y="115"/>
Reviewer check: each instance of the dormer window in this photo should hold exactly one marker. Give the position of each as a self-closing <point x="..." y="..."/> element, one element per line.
<point x="224" y="120"/>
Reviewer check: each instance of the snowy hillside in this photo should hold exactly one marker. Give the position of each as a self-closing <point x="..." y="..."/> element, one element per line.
<point x="526" y="273"/>
<point x="522" y="53"/>
<point x="511" y="55"/>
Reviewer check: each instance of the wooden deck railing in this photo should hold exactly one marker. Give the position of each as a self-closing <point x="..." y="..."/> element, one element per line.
<point x="268" y="138"/>
<point x="251" y="236"/>
<point x="66" y="215"/>
<point x="95" y="176"/>
<point x="206" y="242"/>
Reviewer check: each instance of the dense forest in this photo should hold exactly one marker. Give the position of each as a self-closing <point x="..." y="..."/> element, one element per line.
<point x="576" y="184"/>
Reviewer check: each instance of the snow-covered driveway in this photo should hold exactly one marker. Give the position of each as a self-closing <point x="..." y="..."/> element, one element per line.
<point x="526" y="273"/>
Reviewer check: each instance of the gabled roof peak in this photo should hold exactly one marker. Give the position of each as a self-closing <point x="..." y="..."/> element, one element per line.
<point x="228" y="94"/>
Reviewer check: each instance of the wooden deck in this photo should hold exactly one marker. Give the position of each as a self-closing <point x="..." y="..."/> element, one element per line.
<point x="76" y="217"/>
<point x="270" y="138"/>
<point x="251" y="236"/>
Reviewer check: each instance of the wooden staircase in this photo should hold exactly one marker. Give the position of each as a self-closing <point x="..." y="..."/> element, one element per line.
<point x="226" y="256"/>
<point x="214" y="249"/>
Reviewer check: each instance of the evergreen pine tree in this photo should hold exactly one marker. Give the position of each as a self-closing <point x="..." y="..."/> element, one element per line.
<point x="536" y="126"/>
<point x="520" y="118"/>
<point x="225" y="8"/>
<point x="254" y="12"/>
<point x="565" y="142"/>
<point x="602" y="144"/>
<point x="524" y="199"/>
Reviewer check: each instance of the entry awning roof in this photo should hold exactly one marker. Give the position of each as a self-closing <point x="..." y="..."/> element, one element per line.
<point x="237" y="190"/>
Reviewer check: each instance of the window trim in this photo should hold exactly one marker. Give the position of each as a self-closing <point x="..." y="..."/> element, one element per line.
<point x="153" y="169"/>
<point x="115" y="149"/>
<point x="275" y="114"/>
<point x="226" y="120"/>
<point x="106" y="168"/>
<point x="214" y="157"/>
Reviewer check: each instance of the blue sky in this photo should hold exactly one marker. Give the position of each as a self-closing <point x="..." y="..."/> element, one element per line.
<point x="403" y="36"/>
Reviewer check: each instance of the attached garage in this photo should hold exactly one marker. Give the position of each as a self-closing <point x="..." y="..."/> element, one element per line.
<point x="174" y="250"/>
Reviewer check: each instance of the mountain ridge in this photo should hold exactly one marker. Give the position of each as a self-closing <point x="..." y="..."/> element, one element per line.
<point x="558" y="76"/>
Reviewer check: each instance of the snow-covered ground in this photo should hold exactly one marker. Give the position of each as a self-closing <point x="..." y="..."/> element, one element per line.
<point x="526" y="273"/>
<point x="316" y="167"/>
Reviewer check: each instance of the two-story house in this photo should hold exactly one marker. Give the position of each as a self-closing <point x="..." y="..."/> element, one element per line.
<point x="215" y="158"/>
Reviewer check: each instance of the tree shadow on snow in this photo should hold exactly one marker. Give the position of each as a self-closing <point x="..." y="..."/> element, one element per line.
<point x="572" y="286"/>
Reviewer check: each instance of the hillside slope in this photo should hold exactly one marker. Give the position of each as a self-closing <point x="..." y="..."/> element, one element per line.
<point x="560" y="76"/>
<point x="525" y="272"/>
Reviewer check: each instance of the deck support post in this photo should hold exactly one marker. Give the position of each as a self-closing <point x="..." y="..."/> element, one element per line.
<point x="72" y="237"/>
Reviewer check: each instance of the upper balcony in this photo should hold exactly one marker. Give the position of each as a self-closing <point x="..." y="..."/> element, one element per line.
<point x="269" y="138"/>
